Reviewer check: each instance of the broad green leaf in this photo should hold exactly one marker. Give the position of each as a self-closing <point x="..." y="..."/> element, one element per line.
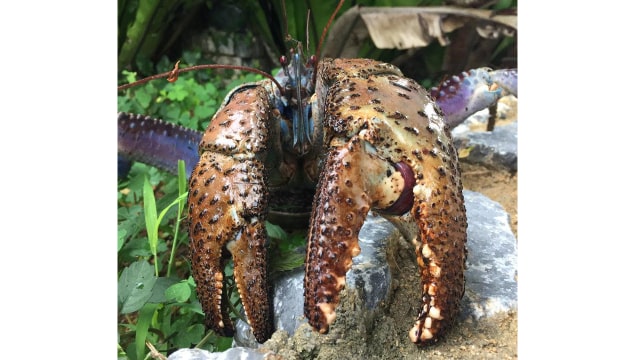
<point x="179" y="292"/>
<point x="135" y="286"/>
<point x="275" y="231"/>
<point x="189" y="336"/>
<point x="143" y="97"/>
<point x="160" y="288"/>
<point x="122" y="234"/>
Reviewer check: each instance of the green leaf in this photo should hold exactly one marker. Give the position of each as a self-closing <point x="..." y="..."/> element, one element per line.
<point x="275" y="231"/>
<point x="182" y="178"/>
<point x="142" y="328"/>
<point x="503" y="4"/>
<point x="122" y="234"/>
<point x="189" y="336"/>
<point x="135" y="286"/>
<point x="150" y="215"/>
<point x="160" y="288"/>
<point x="178" y="94"/>
<point x="179" y="292"/>
<point x="130" y="75"/>
<point x="287" y="261"/>
<point x="143" y="97"/>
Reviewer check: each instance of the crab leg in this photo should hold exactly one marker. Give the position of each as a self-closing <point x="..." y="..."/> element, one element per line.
<point x="156" y="142"/>
<point x="227" y="207"/>
<point x="462" y="95"/>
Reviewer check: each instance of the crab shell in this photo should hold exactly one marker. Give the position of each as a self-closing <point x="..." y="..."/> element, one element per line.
<point x="380" y="143"/>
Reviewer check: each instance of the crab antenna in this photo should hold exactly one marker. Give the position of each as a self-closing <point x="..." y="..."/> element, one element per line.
<point x="175" y="72"/>
<point x="284" y="15"/>
<point x="307" y="30"/>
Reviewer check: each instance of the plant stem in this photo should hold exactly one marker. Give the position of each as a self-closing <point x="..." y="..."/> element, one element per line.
<point x="204" y="339"/>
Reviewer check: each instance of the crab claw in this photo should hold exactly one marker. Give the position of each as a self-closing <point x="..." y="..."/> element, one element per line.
<point x="227" y="208"/>
<point x="353" y="180"/>
<point x="461" y="96"/>
<point x="389" y="151"/>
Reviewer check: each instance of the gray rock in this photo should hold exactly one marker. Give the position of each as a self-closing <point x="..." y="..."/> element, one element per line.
<point x="370" y="272"/>
<point x="237" y="353"/>
<point x="490" y="285"/>
<point x="497" y="148"/>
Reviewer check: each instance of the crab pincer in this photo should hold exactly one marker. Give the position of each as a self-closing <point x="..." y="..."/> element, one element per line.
<point x="389" y="151"/>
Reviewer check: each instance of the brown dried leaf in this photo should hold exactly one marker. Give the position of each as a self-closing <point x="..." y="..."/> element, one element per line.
<point x="410" y="27"/>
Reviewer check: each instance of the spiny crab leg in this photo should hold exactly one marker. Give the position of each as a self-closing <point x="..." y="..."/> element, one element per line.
<point x="157" y="143"/>
<point x="227" y="207"/>
<point x="462" y="95"/>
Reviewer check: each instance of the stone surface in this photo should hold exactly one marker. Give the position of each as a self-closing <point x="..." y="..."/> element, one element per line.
<point x="496" y="149"/>
<point x="236" y="353"/>
<point x="491" y="285"/>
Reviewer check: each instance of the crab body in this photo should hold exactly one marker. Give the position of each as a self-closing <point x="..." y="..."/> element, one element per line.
<point x="385" y="147"/>
<point x="364" y="138"/>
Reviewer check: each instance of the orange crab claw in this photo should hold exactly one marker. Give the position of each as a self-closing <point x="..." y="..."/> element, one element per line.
<point x="390" y="151"/>
<point x="227" y="209"/>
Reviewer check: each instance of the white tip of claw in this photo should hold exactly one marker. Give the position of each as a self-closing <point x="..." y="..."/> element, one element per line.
<point x="434" y="312"/>
<point x="425" y="335"/>
<point x="432" y="289"/>
<point x="355" y="251"/>
<point x="426" y="252"/>
<point x="329" y="313"/>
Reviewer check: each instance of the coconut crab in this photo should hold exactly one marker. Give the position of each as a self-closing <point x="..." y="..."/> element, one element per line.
<point x="362" y="135"/>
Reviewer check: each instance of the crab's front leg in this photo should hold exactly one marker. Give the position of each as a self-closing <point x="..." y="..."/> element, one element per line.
<point x="227" y="207"/>
<point x="389" y="150"/>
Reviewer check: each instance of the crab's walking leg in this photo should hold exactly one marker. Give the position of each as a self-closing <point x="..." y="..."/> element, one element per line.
<point x="227" y="208"/>
<point x="155" y="142"/>
<point x="462" y="95"/>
